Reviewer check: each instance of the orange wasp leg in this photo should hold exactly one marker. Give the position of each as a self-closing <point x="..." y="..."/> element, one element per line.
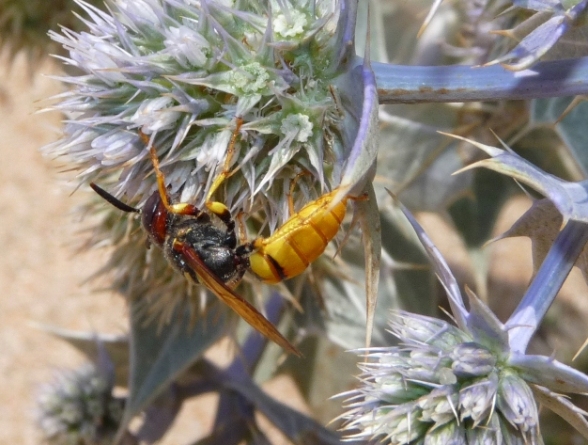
<point x="242" y="228"/>
<point x="181" y="208"/>
<point x="226" y="173"/>
<point x="291" y="191"/>
<point x="217" y="208"/>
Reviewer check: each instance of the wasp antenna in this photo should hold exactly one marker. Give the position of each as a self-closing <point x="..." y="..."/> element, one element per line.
<point x="112" y="200"/>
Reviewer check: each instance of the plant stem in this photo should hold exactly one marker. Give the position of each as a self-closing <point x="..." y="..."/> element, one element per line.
<point x="461" y="83"/>
<point x="551" y="275"/>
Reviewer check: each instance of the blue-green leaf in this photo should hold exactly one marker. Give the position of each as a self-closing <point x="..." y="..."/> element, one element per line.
<point x="160" y="354"/>
<point x="89" y="344"/>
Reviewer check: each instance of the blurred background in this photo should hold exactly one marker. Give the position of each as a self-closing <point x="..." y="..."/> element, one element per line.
<point x="41" y="275"/>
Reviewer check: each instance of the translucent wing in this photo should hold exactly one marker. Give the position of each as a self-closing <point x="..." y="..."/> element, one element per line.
<point x="233" y="300"/>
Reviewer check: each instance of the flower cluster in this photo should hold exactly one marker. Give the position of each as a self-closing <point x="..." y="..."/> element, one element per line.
<point x="442" y="384"/>
<point x="473" y="383"/>
<point x="79" y="409"/>
<point x="237" y="100"/>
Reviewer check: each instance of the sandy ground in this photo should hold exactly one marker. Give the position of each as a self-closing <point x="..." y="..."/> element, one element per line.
<point x="41" y="280"/>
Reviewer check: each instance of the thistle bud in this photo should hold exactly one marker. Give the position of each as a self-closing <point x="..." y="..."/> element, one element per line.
<point x="79" y="408"/>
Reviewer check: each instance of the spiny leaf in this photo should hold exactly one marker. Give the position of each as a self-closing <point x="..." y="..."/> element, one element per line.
<point x="546" y="35"/>
<point x="542" y="223"/>
<point x="89" y="344"/>
<point x="535" y="44"/>
<point x="369" y="219"/>
<point x="568" y="197"/>
<point x="360" y="165"/>
<point x="548" y="372"/>
<point x="158" y="356"/>
<point x="563" y="407"/>
<point x="442" y="270"/>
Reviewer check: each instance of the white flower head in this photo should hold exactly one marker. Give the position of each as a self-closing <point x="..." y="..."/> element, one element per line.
<point x="187" y="46"/>
<point x="233" y="108"/>
<point x="290" y="25"/>
<point x="297" y="127"/>
<point x="182" y="72"/>
<point x="460" y="389"/>
<point x="252" y="78"/>
<point x="155" y="114"/>
<point x="79" y="408"/>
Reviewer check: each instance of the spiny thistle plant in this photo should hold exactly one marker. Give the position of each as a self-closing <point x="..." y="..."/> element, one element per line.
<point x="474" y="383"/>
<point x="243" y="105"/>
<point x="199" y="80"/>
<point x="441" y="384"/>
<point x="79" y="408"/>
<point x="264" y="106"/>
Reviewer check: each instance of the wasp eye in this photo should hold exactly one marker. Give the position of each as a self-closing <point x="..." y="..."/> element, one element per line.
<point x="154" y="218"/>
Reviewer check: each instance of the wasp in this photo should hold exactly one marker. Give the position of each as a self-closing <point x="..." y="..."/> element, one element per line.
<point x="211" y="256"/>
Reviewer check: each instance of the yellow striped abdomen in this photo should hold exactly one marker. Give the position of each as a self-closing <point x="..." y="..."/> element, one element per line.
<point x="300" y="241"/>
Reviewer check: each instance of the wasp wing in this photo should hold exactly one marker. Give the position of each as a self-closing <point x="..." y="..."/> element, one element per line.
<point x="232" y="299"/>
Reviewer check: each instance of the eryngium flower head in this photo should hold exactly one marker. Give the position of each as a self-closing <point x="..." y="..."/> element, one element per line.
<point x="440" y="386"/>
<point x="237" y="95"/>
<point x="78" y="408"/>
<point x="239" y="98"/>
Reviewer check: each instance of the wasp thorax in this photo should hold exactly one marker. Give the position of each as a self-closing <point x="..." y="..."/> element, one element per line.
<point x="214" y="246"/>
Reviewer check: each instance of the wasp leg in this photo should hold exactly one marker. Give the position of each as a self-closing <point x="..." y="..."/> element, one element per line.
<point x="181" y="208"/>
<point x="226" y="173"/>
<point x="242" y="229"/>
<point x="291" y="192"/>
